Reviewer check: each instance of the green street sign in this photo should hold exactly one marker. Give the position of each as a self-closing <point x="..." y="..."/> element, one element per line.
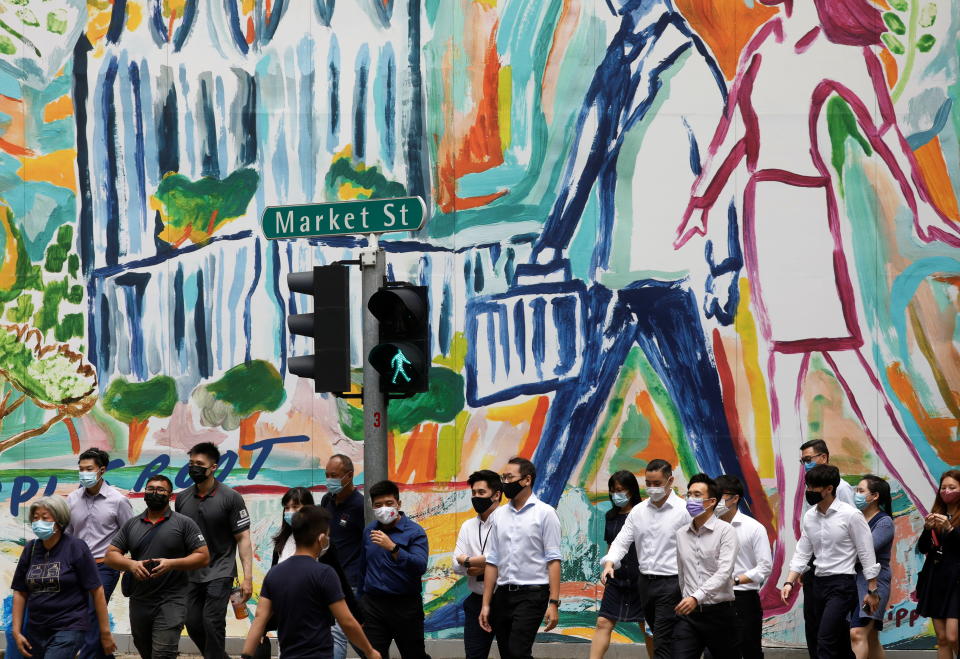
<point x="344" y="217"/>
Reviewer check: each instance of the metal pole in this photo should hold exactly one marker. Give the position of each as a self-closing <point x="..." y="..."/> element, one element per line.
<point x="372" y="270"/>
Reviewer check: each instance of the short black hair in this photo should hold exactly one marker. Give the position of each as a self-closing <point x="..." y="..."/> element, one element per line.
<point x="161" y="477"/>
<point x="662" y="466"/>
<point x="101" y="457"/>
<point x="823" y="475"/>
<point x="627" y="481"/>
<point x="526" y="468"/>
<point x="713" y="492"/>
<point x="344" y="460"/>
<point x="817" y="445"/>
<point x="208" y="449"/>
<point x="488" y="476"/>
<point x="383" y="489"/>
<point x="729" y="484"/>
<point x="308" y="523"/>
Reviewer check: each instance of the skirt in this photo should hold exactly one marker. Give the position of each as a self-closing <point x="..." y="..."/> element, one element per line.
<point x="621" y="602"/>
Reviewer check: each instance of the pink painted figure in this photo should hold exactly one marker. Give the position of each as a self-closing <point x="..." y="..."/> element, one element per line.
<point x="804" y="292"/>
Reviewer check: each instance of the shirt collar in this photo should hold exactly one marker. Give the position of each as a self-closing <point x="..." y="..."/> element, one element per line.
<point x="532" y="500"/>
<point x="166" y="515"/>
<point x="203" y="497"/>
<point x="706" y="526"/>
<point x="834" y="507"/>
<point x="737" y="518"/>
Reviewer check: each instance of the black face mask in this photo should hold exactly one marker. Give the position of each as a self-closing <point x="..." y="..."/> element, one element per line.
<point x="481" y="504"/>
<point x="813" y="498"/>
<point x="197" y="473"/>
<point x="512" y="489"/>
<point x="156" y="502"/>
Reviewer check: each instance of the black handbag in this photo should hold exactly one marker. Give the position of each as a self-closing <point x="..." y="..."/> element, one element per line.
<point x="126" y="581"/>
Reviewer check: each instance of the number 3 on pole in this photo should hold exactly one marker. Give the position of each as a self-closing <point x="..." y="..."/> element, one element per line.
<point x="376" y="419"/>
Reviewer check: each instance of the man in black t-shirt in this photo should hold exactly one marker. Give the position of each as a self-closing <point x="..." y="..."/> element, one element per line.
<point x="222" y="517"/>
<point x="163" y="546"/>
<point x="304" y="597"/>
<point x="345" y="505"/>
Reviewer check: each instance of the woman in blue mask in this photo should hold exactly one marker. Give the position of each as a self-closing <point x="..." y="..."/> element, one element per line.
<point x="55" y="576"/>
<point x="621" y="599"/>
<point x="284" y="547"/>
<point x="872" y="497"/>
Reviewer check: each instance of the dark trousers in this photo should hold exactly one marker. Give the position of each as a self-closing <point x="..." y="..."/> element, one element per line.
<point x="207" y="616"/>
<point x="830" y="605"/>
<point x="749" y="623"/>
<point x="660" y="595"/>
<point x="476" y="641"/>
<point x="92" y="649"/>
<point x="54" y="644"/>
<point x="156" y="626"/>
<point x="515" y="616"/>
<point x="707" y="628"/>
<point x="397" y="618"/>
<point x="810" y="621"/>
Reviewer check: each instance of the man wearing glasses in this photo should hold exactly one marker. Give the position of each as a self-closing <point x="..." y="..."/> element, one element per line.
<point x="163" y="545"/>
<point x="523" y="562"/>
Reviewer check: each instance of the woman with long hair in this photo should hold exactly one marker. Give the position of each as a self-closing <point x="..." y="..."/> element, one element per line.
<point x="284" y="547"/>
<point x="938" y="590"/>
<point x="872" y="498"/>
<point x="621" y="599"/>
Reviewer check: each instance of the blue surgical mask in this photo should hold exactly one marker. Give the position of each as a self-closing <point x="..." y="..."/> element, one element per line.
<point x="860" y="500"/>
<point x="89" y="478"/>
<point x="620" y="499"/>
<point x="288" y="517"/>
<point x="42" y="529"/>
<point x="807" y="466"/>
<point x="334" y="486"/>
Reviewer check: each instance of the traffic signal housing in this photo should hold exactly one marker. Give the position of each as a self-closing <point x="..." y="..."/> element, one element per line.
<point x="328" y="327"/>
<point x="402" y="357"/>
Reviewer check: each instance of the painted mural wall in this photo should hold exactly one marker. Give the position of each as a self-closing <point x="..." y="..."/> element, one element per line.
<point x="699" y="230"/>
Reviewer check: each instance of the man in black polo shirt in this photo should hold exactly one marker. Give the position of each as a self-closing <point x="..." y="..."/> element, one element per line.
<point x="345" y="505"/>
<point x="222" y="516"/>
<point x="163" y="546"/>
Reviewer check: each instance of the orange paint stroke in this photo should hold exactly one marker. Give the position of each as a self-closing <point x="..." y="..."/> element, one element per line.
<point x="890" y="69"/>
<point x="529" y="444"/>
<point x="248" y="435"/>
<point x="659" y="444"/>
<point x="937" y="430"/>
<point x="726" y="26"/>
<point x="419" y="454"/>
<point x="532" y="412"/>
<point x="61" y="108"/>
<point x="933" y="167"/>
<point x="14" y="139"/>
<point x="56" y="168"/>
<point x="251" y="31"/>
<point x="173" y="17"/>
<point x="562" y="35"/>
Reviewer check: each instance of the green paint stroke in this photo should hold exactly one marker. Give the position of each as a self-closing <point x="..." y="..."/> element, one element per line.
<point x="370" y="178"/>
<point x="671" y="416"/>
<point x="842" y="124"/>
<point x="247" y="388"/>
<point x="634" y="438"/>
<point x="203" y="206"/>
<point x="130" y="402"/>
<point x="54" y="377"/>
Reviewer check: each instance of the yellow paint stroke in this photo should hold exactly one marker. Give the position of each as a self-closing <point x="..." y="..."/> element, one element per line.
<point x="442" y="531"/>
<point x="514" y="414"/>
<point x="55" y="168"/>
<point x="348" y="191"/>
<point x="762" y="424"/>
<point x="58" y="109"/>
<point x="492" y="4"/>
<point x="98" y="25"/>
<point x="134" y="15"/>
<point x="504" y="104"/>
<point x="247" y="6"/>
<point x="8" y="269"/>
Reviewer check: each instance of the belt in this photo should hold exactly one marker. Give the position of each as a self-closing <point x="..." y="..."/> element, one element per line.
<point x="654" y="577"/>
<point x="704" y="608"/>
<point x="514" y="587"/>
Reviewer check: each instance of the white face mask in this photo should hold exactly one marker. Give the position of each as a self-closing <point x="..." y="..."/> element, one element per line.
<point x="386" y="514"/>
<point x="325" y="549"/>
<point x="656" y="493"/>
<point x="721" y="509"/>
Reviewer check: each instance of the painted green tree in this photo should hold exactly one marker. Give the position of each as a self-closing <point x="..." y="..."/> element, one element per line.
<point x="238" y="398"/>
<point x="906" y="23"/>
<point x="134" y="403"/>
<point x="196" y="210"/>
<point x="51" y="377"/>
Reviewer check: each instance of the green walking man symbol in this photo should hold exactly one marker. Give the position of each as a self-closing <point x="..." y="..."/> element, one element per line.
<point x="398" y="363"/>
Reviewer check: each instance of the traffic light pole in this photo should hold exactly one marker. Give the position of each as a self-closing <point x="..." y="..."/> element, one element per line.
<point x="372" y="270"/>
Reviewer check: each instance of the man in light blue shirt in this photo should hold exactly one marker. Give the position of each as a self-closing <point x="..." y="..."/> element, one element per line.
<point x="523" y="562"/>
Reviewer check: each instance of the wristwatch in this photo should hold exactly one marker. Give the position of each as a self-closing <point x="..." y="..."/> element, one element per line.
<point x="736" y="580"/>
<point x="466" y="563"/>
<point x="872" y="591"/>
<point x="555" y="602"/>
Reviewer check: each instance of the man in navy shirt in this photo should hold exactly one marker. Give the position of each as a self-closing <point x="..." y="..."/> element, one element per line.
<point x="395" y="558"/>
<point x="304" y="597"/>
<point x="345" y="505"/>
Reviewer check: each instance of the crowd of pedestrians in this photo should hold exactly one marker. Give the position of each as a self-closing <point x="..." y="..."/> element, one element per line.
<point x="687" y="570"/>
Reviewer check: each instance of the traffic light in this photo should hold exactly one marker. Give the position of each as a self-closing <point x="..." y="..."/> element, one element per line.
<point x="403" y="355"/>
<point x="328" y="326"/>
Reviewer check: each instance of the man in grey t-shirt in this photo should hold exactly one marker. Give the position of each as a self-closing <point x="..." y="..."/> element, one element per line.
<point x="163" y="546"/>
<point x="222" y="517"/>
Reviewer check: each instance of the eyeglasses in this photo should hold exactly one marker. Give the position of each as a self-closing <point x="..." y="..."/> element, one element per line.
<point x="807" y="459"/>
<point x="156" y="490"/>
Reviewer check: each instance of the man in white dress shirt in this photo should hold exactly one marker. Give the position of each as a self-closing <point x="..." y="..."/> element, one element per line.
<point x="752" y="568"/>
<point x="837" y="535"/>
<point x="469" y="558"/>
<point x="651" y="526"/>
<point x="523" y="562"/>
<point x="706" y="555"/>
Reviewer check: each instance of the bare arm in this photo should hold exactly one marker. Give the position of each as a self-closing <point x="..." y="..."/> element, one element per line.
<point x="352" y="629"/>
<point x="490" y="575"/>
<point x="553" y="611"/>
<point x="259" y="627"/>
<point x="245" y="548"/>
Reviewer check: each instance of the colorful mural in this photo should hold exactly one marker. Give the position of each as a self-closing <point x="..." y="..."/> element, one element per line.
<point x="698" y="230"/>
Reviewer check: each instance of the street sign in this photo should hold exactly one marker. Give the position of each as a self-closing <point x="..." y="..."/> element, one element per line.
<point x="343" y="218"/>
